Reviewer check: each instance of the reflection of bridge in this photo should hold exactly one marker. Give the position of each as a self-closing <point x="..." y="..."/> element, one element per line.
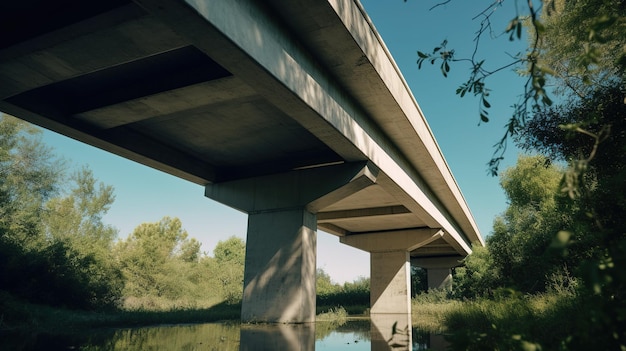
<point x="292" y="111"/>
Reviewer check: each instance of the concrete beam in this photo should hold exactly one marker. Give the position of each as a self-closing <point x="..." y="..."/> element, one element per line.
<point x="346" y="215"/>
<point x="313" y="188"/>
<point x="401" y="240"/>
<point x="291" y="78"/>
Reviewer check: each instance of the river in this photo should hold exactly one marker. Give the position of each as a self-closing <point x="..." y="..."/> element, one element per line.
<point x="353" y="334"/>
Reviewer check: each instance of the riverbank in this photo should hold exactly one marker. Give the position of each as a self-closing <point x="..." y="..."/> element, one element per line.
<point x="516" y="321"/>
<point x="20" y="317"/>
<point x="535" y="319"/>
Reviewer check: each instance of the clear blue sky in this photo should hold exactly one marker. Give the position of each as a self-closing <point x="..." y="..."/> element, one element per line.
<point x="147" y="195"/>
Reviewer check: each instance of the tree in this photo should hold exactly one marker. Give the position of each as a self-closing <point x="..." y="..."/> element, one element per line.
<point x="569" y="42"/>
<point x="51" y="251"/>
<point x="323" y="284"/>
<point x="478" y="277"/>
<point x="580" y="45"/>
<point x="75" y="221"/>
<point x="29" y="176"/>
<point x="227" y="268"/>
<point x="595" y="238"/>
<point x="153" y="259"/>
<point x="524" y="232"/>
<point x="582" y="42"/>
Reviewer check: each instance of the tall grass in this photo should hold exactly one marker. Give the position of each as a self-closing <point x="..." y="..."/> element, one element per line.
<point x="509" y="322"/>
<point x="430" y="309"/>
<point x="513" y="323"/>
<point x="18" y="316"/>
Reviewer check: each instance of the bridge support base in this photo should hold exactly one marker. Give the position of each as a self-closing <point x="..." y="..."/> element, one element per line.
<point x="438" y="269"/>
<point x="390" y="274"/>
<point x="279" y="276"/>
<point x="390" y="265"/>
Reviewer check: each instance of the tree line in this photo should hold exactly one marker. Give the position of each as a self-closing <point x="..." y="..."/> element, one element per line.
<point x="563" y="231"/>
<point x="55" y="248"/>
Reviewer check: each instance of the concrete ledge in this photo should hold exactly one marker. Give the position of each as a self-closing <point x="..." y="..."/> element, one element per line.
<point x="401" y="240"/>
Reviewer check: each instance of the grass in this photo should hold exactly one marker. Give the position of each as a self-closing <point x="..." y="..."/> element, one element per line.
<point x="512" y="322"/>
<point x="335" y="314"/>
<point x="21" y="317"/>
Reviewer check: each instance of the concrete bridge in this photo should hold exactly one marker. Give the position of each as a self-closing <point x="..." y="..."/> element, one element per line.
<point x="291" y="111"/>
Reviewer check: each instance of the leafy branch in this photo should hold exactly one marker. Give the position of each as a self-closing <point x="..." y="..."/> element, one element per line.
<point x="534" y="94"/>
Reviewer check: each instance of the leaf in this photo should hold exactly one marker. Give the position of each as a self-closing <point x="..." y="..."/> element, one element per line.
<point x="484" y="118"/>
<point x="486" y="103"/>
<point x="436" y="49"/>
<point x="519" y="31"/>
<point x="421" y="54"/>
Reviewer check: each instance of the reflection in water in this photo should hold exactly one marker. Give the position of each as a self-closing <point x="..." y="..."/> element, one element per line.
<point x="391" y="331"/>
<point x="380" y="334"/>
<point x="278" y="337"/>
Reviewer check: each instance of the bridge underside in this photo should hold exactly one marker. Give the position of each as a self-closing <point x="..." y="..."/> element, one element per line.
<point x="168" y="85"/>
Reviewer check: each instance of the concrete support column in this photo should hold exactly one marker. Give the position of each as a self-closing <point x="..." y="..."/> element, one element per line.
<point x="390" y="265"/>
<point x="439" y="278"/>
<point x="390" y="279"/>
<point x="438" y="269"/>
<point x="279" y="276"/>
<point x="280" y="267"/>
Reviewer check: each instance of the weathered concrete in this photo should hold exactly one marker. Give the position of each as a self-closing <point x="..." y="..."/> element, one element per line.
<point x="279" y="276"/>
<point x="438" y="269"/>
<point x="390" y="282"/>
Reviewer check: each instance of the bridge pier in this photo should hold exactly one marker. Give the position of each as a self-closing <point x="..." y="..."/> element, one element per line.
<point x="390" y="266"/>
<point x="280" y="264"/>
<point x="438" y="269"/>
<point x="279" y="275"/>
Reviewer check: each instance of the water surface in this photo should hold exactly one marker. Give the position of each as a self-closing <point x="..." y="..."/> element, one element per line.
<point x="362" y="334"/>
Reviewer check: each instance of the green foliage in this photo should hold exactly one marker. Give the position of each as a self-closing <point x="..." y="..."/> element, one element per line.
<point x="226" y="269"/>
<point x="153" y="261"/>
<point x="575" y="43"/>
<point x="356" y="293"/>
<point x="518" y="251"/>
<point x="323" y="284"/>
<point x="419" y="280"/>
<point x="29" y="176"/>
<point x="54" y="248"/>
<point x="583" y="42"/>
<point x="478" y="276"/>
